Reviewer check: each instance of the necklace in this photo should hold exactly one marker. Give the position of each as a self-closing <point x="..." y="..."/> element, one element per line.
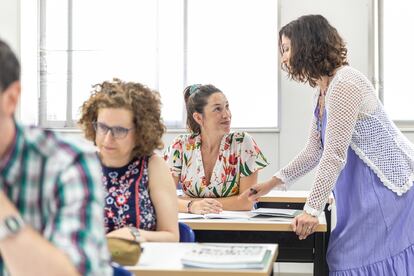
<point x="321" y="110"/>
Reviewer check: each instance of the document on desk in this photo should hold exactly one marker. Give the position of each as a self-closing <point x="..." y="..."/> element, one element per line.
<point x="269" y="214"/>
<point x="226" y="256"/>
<point x="275" y="212"/>
<point x="221" y="215"/>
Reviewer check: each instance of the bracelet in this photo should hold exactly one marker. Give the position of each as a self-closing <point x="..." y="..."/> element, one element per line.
<point x="135" y="233"/>
<point x="189" y="206"/>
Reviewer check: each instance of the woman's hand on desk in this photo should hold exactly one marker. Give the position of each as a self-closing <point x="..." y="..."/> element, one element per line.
<point x="260" y="189"/>
<point x="205" y="206"/>
<point x="304" y="225"/>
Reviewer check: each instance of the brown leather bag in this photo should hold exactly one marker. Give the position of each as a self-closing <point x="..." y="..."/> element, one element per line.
<point x="124" y="251"/>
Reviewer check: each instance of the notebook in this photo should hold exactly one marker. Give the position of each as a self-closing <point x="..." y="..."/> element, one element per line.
<point x="224" y="256"/>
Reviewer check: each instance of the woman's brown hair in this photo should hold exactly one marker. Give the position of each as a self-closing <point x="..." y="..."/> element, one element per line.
<point x="196" y="97"/>
<point x="316" y="48"/>
<point x="144" y="103"/>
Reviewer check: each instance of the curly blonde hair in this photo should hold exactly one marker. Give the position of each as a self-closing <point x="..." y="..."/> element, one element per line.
<point x="144" y="103"/>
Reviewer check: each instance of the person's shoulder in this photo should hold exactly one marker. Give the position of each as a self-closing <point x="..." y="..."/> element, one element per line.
<point x="51" y="144"/>
<point x="157" y="163"/>
<point x="185" y="138"/>
<point x="350" y="74"/>
<point x="238" y="136"/>
<point x="155" y="159"/>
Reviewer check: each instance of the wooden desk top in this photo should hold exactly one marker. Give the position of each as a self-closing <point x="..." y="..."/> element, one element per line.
<point x="163" y="259"/>
<point x="247" y="225"/>
<point x="287" y="196"/>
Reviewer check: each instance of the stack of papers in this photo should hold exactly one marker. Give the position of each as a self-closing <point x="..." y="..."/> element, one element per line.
<point x="274" y="212"/>
<point x="223" y="256"/>
<point x="257" y="214"/>
<point x="221" y="215"/>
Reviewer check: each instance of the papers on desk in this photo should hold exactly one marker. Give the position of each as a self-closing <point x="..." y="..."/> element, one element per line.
<point x="221" y="215"/>
<point x="223" y="256"/>
<point x="274" y="212"/>
<point x="258" y="214"/>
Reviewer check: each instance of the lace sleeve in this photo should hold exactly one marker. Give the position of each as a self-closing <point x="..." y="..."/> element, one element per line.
<point x="343" y="104"/>
<point x="306" y="160"/>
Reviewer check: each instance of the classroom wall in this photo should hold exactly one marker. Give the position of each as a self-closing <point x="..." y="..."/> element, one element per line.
<point x="352" y="18"/>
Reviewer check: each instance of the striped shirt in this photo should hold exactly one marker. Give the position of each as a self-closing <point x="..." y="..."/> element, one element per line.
<point x="56" y="186"/>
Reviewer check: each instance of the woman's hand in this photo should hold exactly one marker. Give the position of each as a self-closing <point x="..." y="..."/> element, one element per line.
<point x="124" y="233"/>
<point x="260" y="189"/>
<point x="304" y="225"/>
<point x="205" y="206"/>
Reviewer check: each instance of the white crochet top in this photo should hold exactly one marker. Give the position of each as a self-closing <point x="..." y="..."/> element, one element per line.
<point x="356" y="119"/>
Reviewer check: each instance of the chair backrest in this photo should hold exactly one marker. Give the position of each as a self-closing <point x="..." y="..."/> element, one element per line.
<point x="186" y="233"/>
<point x="119" y="270"/>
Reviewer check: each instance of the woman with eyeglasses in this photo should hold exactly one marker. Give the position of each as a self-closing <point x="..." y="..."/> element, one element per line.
<point x="123" y="120"/>
<point x="211" y="163"/>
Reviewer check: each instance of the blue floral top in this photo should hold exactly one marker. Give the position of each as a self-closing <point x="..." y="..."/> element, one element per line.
<point x="125" y="187"/>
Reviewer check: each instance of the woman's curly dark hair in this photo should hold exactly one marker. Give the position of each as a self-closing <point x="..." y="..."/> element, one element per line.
<point x="144" y="103"/>
<point x="316" y="48"/>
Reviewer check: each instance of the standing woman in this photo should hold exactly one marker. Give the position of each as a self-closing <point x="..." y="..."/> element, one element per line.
<point x="212" y="164"/>
<point x="360" y="153"/>
<point x="123" y="119"/>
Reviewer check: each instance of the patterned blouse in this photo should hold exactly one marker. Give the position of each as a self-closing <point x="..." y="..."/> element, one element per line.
<point x="239" y="156"/>
<point x="128" y="202"/>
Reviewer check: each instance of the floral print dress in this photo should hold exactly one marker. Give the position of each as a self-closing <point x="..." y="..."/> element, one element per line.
<point x="239" y="156"/>
<point x="127" y="199"/>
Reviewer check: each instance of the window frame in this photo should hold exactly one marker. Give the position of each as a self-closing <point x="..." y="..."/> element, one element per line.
<point x="403" y="125"/>
<point x="70" y="124"/>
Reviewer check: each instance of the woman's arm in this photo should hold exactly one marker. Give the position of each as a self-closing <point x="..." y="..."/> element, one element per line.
<point x="236" y="203"/>
<point x="216" y="205"/>
<point x="197" y="205"/>
<point x="306" y="160"/>
<point x="343" y="105"/>
<point x="163" y="196"/>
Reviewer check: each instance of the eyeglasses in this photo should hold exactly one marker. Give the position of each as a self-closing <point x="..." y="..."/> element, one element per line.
<point x="116" y="131"/>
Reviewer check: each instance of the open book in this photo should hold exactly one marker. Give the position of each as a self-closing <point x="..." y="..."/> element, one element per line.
<point x="257" y="214"/>
<point x="226" y="256"/>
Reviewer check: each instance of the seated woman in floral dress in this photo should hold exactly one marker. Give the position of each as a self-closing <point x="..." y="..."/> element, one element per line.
<point x="212" y="164"/>
<point x="123" y="120"/>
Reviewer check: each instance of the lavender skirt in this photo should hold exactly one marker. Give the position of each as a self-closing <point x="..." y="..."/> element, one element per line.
<point x="374" y="234"/>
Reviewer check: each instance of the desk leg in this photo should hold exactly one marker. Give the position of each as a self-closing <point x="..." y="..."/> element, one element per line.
<point x="320" y="267"/>
<point x="328" y="218"/>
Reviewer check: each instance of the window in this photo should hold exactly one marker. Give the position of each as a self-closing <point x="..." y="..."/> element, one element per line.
<point x="397" y="58"/>
<point x="165" y="44"/>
